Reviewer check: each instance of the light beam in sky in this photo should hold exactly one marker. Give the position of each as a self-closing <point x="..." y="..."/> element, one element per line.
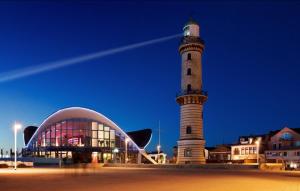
<point x="31" y="70"/>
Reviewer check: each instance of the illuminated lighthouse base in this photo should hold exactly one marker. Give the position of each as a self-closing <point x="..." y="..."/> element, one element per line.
<point x="191" y="152"/>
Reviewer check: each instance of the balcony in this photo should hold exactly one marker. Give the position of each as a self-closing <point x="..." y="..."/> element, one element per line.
<point x="191" y="39"/>
<point x="189" y="92"/>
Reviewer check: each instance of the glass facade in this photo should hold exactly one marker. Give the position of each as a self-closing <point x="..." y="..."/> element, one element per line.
<point x="80" y="138"/>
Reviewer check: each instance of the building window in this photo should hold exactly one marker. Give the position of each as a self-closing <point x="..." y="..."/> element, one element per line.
<point x="188" y="130"/>
<point x="247" y="150"/>
<point x="236" y="151"/>
<point x="189" y="87"/>
<point x="250" y="150"/>
<point x="189" y="72"/>
<point x="274" y="146"/>
<point x="189" y="56"/>
<point x="243" y="151"/>
<point x="279" y="146"/>
<point x="188" y="152"/>
<point x="285" y="154"/>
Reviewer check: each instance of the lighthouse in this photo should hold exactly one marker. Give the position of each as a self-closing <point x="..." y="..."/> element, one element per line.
<point x="191" y="143"/>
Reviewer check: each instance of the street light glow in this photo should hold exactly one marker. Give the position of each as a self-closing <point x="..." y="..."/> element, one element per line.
<point x="16" y="127"/>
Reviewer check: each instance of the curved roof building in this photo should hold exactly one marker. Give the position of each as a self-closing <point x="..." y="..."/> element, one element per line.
<point x="84" y="135"/>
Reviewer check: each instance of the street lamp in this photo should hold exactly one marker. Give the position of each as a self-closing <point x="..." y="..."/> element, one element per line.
<point x="158" y="149"/>
<point x="126" y="152"/>
<point x="17" y="126"/>
<point x="257" y="144"/>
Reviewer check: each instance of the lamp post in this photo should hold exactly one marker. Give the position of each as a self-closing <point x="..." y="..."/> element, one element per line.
<point x="257" y="145"/>
<point x="126" y="152"/>
<point x="17" y="126"/>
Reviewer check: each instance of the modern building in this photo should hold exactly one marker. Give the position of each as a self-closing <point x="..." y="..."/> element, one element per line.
<point x="245" y="151"/>
<point x="191" y="98"/>
<point x="84" y="135"/>
<point x="284" y="147"/>
<point x="219" y="154"/>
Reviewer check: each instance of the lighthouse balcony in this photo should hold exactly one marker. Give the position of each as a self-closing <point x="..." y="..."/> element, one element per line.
<point x="191" y="39"/>
<point x="189" y="92"/>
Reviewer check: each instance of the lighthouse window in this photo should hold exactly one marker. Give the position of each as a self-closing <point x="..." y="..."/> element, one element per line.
<point x="189" y="56"/>
<point x="189" y="72"/>
<point x="189" y="87"/>
<point x="188" y="130"/>
<point x="187" y="152"/>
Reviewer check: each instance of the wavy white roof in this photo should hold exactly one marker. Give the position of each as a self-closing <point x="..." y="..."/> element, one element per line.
<point x="79" y="112"/>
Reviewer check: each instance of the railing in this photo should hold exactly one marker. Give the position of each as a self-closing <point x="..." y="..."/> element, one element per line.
<point x="191" y="39"/>
<point x="187" y="92"/>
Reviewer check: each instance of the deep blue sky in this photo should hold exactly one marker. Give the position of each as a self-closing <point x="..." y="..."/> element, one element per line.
<point x="250" y="63"/>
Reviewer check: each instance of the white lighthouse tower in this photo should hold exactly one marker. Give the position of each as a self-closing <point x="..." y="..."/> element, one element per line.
<point x="191" y="98"/>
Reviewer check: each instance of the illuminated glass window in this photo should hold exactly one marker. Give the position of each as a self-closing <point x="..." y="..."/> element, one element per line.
<point x="100" y="127"/>
<point x="112" y="134"/>
<point x="236" y="151"/>
<point x="94" y="126"/>
<point x="94" y="142"/>
<point x="250" y="150"/>
<point x="247" y="150"/>
<point x="106" y="135"/>
<point x="188" y="152"/>
<point x="186" y="31"/>
<point x="100" y="135"/>
<point x="94" y="134"/>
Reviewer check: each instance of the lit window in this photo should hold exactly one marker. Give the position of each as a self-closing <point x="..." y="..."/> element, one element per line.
<point x="236" y="151"/>
<point x="186" y="31"/>
<point x="188" y="152"/>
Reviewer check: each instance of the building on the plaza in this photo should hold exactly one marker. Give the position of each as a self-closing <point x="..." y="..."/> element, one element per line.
<point x="284" y="147"/>
<point x="218" y="154"/>
<point x="84" y="135"/>
<point x="191" y="98"/>
<point x="245" y="151"/>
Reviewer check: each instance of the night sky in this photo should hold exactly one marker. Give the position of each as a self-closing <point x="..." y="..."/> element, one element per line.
<point x="251" y="65"/>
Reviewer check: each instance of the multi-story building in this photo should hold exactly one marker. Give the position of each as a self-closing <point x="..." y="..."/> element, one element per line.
<point x="218" y="154"/>
<point x="284" y="147"/>
<point x="245" y="151"/>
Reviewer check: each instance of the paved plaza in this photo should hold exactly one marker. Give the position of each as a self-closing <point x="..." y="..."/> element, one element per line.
<point x="116" y="179"/>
